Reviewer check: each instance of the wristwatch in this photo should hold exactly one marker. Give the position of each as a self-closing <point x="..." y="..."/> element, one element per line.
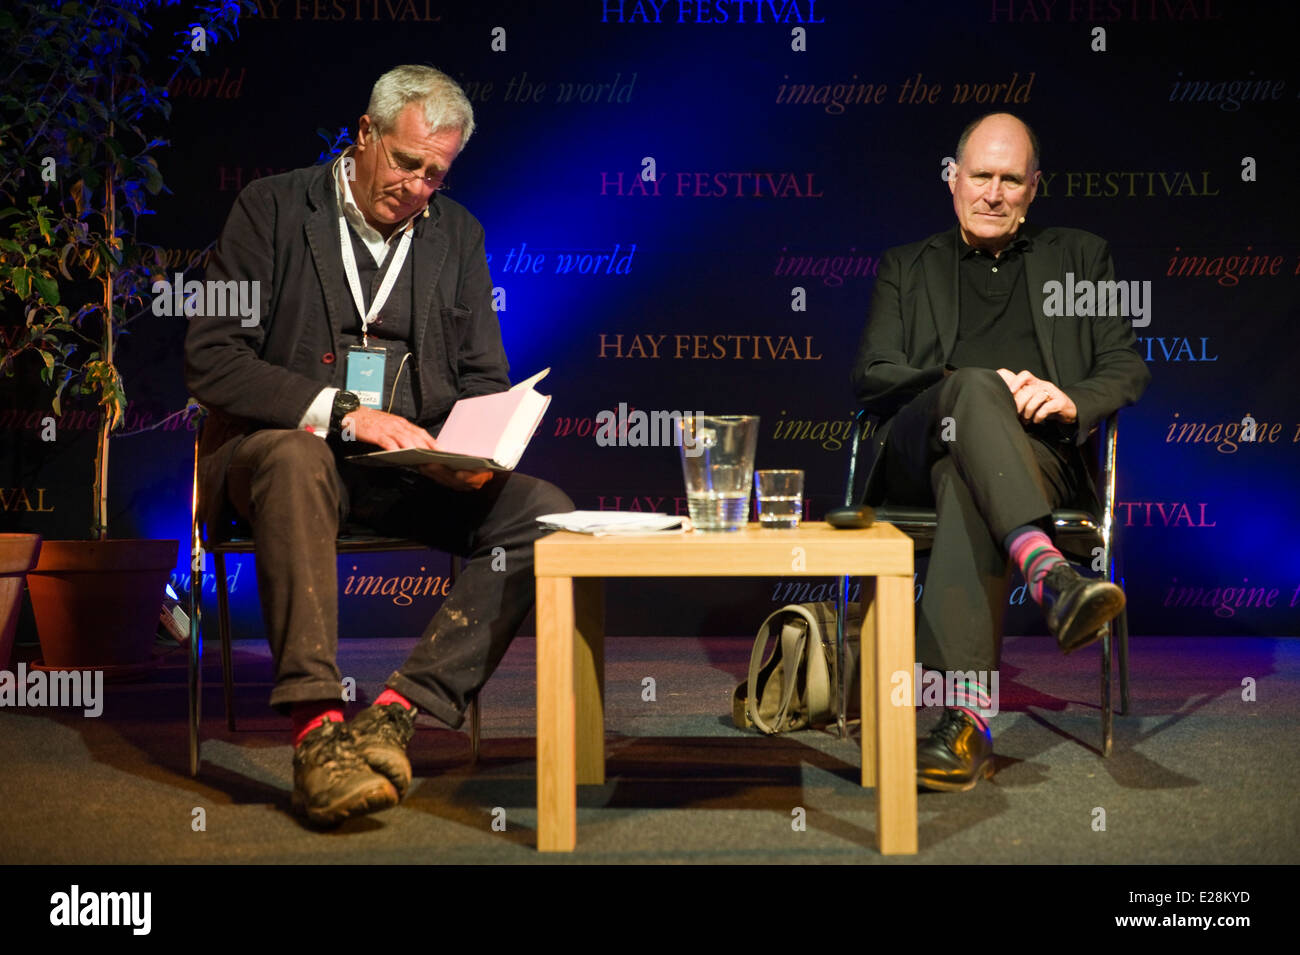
<point x="345" y="402"/>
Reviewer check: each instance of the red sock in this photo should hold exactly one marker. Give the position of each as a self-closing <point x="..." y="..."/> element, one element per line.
<point x="392" y="696"/>
<point x="307" y="716"/>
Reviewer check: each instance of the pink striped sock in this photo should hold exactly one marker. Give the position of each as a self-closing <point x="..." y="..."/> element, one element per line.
<point x="1034" y="554"/>
<point x="970" y="697"/>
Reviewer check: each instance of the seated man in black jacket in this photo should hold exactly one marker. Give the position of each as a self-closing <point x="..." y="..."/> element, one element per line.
<point x="364" y="273"/>
<point x="984" y="403"/>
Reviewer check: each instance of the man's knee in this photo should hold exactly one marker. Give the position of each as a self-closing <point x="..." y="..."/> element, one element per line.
<point x="545" y="498"/>
<point x="298" y="463"/>
<point x="526" y="498"/>
<point x="513" y="520"/>
<point x="299" y="453"/>
<point x="982" y="387"/>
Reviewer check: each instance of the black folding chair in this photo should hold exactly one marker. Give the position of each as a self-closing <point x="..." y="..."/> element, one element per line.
<point x="1077" y="533"/>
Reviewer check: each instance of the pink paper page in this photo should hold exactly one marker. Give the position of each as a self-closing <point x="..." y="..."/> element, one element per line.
<point x="475" y="425"/>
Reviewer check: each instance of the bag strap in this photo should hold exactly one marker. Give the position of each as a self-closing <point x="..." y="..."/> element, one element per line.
<point x="794" y="644"/>
<point x="819" y="676"/>
<point x="819" y="662"/>
<point x="793" y="634"/>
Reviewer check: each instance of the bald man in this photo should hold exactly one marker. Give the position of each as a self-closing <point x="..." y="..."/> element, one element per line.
<point x="984" y="403"/>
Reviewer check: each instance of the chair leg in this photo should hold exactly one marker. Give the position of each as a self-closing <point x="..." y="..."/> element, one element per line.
<point x="1122" y="634"/>
<point x="475" y="725"/>
<point x="842" y="690"/>
<point x="195" y="666"/>
<point x="223" y="614"/>
<point x="1107" y="717"/>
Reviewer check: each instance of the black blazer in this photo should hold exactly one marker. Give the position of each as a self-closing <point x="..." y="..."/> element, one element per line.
<point x="283" y="232"/>
<point x="912" y="331"/>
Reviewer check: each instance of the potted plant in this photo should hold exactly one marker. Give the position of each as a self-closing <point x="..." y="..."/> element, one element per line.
<point x="17" y="556"/>
<point x="80" y="105"/>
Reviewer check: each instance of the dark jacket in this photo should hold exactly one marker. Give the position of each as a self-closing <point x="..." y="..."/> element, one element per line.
<point x="283" y="232"/>
<point x="912" y="331"/>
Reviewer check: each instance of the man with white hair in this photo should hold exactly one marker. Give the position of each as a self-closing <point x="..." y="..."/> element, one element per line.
<point x="364" y="270"/>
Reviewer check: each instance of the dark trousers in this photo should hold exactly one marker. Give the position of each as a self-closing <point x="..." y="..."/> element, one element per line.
<point x="960" y="448"/>
<point x="295" y="494"/>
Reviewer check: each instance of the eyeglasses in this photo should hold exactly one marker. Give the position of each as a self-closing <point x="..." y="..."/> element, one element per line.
<point x="437" y="181"/>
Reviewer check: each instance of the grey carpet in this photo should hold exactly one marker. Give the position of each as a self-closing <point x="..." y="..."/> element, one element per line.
<point x="1197" y="775"/>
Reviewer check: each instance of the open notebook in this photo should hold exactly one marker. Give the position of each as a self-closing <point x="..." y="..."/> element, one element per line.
<point x="481" y="433"/>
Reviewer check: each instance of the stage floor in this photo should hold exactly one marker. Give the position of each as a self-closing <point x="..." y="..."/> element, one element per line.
<point x="1198" y="775"/>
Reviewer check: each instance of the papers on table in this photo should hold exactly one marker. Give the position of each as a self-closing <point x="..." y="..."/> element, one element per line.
<point x="605" y="523"/>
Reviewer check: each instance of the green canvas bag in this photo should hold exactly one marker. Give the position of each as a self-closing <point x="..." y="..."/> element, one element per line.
<point x="795" y="687"/>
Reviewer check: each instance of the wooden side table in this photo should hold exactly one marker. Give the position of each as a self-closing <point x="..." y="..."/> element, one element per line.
<point x="570" y="571"/>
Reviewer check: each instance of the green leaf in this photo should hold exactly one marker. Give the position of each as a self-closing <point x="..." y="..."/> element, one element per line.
<point x="63" y="261"/>
<point x="47" y="287"/>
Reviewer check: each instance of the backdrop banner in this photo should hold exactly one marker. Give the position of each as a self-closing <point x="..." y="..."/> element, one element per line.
<point x="685" y="205"/>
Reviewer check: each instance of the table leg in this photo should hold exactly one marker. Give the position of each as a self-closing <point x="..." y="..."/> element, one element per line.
<point x="896" y="725"/>
<point x="867" y="680"/>
<point x="589" y="678"/>
<point x="557" y="796"/>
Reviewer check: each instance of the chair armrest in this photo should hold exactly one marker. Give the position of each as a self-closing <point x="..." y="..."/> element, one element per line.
<point x="1108" y="470"/>
<point x="861" y="420"/>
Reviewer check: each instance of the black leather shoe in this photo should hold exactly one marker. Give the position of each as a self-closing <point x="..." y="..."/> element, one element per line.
<point x="955" y="756"/>
<point x="1077" y="607"/>
<point x="332" y="782"/>
<point x="382" y="734"/>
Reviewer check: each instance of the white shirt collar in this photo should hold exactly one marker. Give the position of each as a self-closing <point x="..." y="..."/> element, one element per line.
<point x="374" y="242"/>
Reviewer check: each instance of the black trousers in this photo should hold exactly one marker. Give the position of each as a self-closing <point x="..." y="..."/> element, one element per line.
<point x="295" y="494"/>
<point x="960" y="448"/>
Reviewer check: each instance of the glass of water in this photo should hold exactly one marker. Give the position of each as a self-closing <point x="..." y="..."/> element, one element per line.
<point x="718" y="464"/>
<point x="780" y="498"/>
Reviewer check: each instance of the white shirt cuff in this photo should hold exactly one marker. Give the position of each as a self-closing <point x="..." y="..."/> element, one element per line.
<point x="317" y="418"/>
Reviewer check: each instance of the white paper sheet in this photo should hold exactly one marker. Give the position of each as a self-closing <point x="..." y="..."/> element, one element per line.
<point x="603" y="523"/>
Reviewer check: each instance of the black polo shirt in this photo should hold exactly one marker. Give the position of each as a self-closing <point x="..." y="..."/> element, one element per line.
<point x="995" y="324"/>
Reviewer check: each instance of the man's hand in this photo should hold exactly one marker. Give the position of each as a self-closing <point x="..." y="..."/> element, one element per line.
<point x="1037" y="400"/>
<point x="392" y="433"/>
<point x="389" y="431"/>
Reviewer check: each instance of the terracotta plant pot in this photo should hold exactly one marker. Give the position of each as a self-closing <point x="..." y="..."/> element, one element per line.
<point x="97" y="602"/>
<point x="17" y="556"/>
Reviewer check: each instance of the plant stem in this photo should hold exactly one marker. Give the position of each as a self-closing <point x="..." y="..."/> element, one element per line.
<point x="100" y="528"/>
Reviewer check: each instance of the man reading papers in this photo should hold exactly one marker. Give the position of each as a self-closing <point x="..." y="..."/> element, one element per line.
<point x="373" y="286"/>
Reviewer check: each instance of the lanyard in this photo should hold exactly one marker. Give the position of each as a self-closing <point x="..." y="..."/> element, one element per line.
<point x="354" y="280"/>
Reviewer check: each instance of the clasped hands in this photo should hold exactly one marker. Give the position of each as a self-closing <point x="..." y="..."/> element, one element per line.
<point x="1037" y="400"/>
<point x="393" y="433"/>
